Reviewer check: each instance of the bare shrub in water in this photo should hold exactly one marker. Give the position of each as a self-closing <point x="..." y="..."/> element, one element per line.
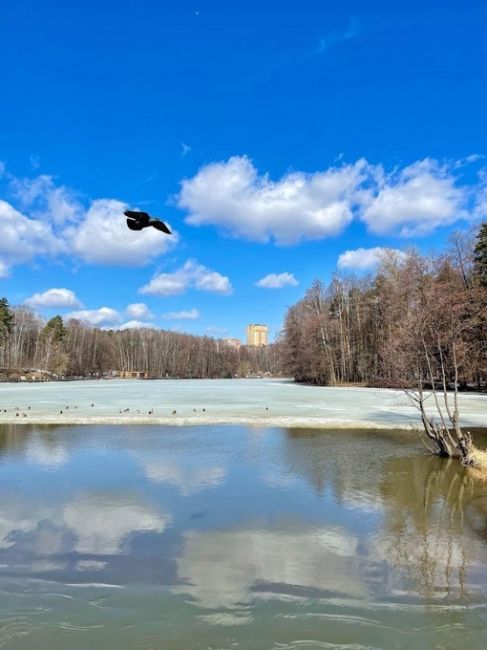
<point x="431" y="346"/>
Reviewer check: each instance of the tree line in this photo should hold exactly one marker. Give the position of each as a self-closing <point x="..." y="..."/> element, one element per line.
<point x="77" y="350"/>
<point x="370" y="330"/>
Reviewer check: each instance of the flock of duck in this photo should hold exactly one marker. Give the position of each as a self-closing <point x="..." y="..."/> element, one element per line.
<point x="20" y="413"/>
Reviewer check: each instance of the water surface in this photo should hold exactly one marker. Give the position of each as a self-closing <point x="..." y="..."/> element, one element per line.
<point x="143" y="537"/>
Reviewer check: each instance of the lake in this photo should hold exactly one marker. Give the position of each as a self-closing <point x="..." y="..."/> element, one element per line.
<point x="223" y="514"/>
<point x="235" y="536"/>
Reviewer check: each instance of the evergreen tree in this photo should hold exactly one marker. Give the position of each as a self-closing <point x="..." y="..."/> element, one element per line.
<point x="480" y="255"/>
<point x="6" y="318"/>
<point x="6" y="327"/>
<point x="55" y="329"/>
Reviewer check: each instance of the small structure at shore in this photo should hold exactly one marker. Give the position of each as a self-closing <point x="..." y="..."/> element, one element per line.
<point x="133" y="374"/>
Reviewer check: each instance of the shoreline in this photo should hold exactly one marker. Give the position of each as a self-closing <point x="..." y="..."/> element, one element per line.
<point x="278" y="421"/>
<point x="71" y="380"/>
<point x="288" y="422"/>
<point x="482" y="390"/>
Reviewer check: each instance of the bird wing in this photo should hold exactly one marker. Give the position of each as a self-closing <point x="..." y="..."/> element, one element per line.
<point x="160" y="225"/>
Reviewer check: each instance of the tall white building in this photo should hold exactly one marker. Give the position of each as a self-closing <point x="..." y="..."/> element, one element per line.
<point x="257" y="334"/>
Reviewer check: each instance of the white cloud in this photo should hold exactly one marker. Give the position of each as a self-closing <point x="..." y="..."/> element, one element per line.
<point x="189" y="314"/>
<point x="190" y="275"/>
<point x="299" y="206"/>
<point x="58" y="224"/>
<point x="4" y="270"/>
<point x="54" y="298"/>
<point x="135" y="324"/>
<point x="139" y="310"/>
<point x="207" y="280"/>
<point x="166" y="284"/>
<point x="277" y="281"/>
<point x="102" y="316"/>
<point x="103" y="237"/>
<point x="363" y="259"/>
<point x="408" y="202"/>
<point x="54" y="203"/>
<point x="97" y="234"/>
<point x="480" y="205"/>
<point x="49" y="220"/>
<point x="416" y="200"/>
<point x="23" y="238"/>
<point x="46" y="219"/>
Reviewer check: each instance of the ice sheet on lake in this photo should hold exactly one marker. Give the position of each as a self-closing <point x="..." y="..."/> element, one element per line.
<point x="269" y="402"/>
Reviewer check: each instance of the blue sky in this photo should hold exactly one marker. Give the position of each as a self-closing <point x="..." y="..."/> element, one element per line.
<point x="277" y="138"/>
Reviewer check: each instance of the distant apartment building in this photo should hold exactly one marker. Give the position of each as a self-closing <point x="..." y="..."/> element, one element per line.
<point x="257" y="334"/>
<point x="232" y="343"/>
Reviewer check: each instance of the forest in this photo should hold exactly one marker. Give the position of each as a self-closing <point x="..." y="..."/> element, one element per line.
<point x="384" y="329"/>
<point x="77" y="350"/>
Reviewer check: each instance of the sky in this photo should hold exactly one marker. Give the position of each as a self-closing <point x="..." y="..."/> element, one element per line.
<point x="281" y="141"/>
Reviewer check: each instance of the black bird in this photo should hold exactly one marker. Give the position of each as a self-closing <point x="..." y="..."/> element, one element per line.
<point x="138" y="220"/>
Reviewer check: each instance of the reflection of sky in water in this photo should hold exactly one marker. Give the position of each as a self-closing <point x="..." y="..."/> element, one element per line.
<point x="93" y="523"/>
<point x="221" y="568"/>
<point x="219" y="528"/>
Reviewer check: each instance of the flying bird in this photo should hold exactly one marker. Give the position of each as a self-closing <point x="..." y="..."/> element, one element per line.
<point x="138" y="220"/>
